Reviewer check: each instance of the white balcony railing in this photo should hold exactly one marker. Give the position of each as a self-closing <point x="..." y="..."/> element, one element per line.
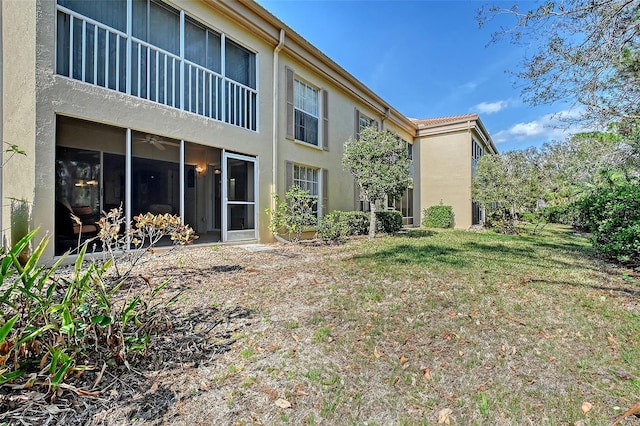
<point x="98" y="54"/>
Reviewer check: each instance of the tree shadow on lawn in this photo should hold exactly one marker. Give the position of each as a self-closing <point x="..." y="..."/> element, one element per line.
<point x="631" y="292"/>
<point x="469" y="254"/>
<point x="418" y="233"/>
<point x="459" y="258"/>
<point x="406" y="254"/>
<point x="195" y="338"/>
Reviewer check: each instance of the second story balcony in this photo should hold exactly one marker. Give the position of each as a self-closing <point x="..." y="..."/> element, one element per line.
<point x="147" y="49"/>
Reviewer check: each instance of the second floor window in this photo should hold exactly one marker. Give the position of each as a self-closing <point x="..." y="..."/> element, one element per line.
<point x="476" y="153"/>
<point x="307" y="108"/>
<point x="366" y="122"/>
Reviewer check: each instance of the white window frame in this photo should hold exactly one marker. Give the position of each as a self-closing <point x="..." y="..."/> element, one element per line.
<point x="299" y="104"/>
<point x="365" y="121"/>
<point x="298" y="170"/>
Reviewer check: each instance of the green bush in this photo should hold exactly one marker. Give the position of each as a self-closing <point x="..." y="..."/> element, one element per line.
<point x="357" y="222"/>
<point x="332" y="227"/>
<point x="292" y="216"/>
<point x="612" y="215"/>
<point x="389" y="221"/>
<point x="438" y="217"/>
<point x="54" y="325"/>
<point x="565" y="214"/>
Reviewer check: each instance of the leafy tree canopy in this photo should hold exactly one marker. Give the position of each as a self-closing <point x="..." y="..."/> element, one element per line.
<point x="380" y="165"/>
<point x="585" y="51"/>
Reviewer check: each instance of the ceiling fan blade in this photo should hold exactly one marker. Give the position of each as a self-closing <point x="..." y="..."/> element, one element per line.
<point x="159" y="145"/>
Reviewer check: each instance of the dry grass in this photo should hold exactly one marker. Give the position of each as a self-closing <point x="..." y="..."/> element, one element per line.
<point x="429" y="327"/>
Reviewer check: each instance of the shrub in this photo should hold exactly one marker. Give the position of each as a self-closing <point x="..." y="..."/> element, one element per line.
<point x="612" y="215"/>
<point x="438" y="217"/>
<point x="332" y="228"/>
<point x="293" y="215"/>
<point x="389" y="221"/>
<point x="145" y="232"/>
<point x="54" y="325"/>
<point x="357" y="222"/>
<point x="565" y="214"/>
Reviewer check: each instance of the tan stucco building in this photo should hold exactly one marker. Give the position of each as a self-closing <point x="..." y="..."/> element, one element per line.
<point x="200" y="108"/>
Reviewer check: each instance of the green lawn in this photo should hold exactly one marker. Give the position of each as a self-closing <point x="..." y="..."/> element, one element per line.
<point x="427" y="327"/>
<point x="479" y="328"/>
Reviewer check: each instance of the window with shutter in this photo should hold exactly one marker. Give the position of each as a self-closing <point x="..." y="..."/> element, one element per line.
<point x="313" y="180"/>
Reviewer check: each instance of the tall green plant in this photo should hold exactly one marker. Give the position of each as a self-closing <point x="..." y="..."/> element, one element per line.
<point x="54" y="324"/>
<point x="612" y="214"/>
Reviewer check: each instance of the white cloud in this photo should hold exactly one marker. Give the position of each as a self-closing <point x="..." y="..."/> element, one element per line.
<point x="549" y="127"/>
<point x="490" y="107"/>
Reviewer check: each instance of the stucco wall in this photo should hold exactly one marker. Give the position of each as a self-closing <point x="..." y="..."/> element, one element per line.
<point x="445" y="174"/>
<point x="19" y="102"/>
<point x="34" y="95"/>
<point x="58" y="95"/>
<point x="341" y="128"/>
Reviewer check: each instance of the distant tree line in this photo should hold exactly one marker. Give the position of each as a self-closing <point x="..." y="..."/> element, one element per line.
<point x="590" y="181"/>
<point x="586" y="53"/>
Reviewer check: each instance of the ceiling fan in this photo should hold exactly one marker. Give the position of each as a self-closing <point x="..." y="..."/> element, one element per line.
<point x="156" y="141"/>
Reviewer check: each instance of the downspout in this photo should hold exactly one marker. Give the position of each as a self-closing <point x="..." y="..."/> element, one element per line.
<point x="274" y="153"/>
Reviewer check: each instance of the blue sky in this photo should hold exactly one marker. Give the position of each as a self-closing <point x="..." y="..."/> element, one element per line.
<point x="427" y="59"/>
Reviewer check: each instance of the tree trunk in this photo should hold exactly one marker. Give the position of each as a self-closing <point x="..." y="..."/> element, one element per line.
<point x="372" y="220"/>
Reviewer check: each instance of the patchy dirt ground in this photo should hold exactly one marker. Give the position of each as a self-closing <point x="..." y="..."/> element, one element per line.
<point x="284" y="334"/>
<point x="231" y="309"/>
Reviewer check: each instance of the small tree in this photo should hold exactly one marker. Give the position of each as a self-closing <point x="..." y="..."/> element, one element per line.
<point x="380" y="165"/>
<point x="510" y="181"/>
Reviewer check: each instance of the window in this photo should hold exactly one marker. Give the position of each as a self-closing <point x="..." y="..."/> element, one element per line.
<point x="476" y="152"/>
<point x="308" y="179"/>
<point x="306" y="107"/>
<point x="311" y="179"/>
<point x="202" y="46"/>
<point x="361" y="121"/>
<point x="240" y="64"/>
<point x="307" y="110"/>
<point x="366" y="122"/>
<point x="409" y="150"/>
<point x="94" y="46"/>
<point x="109" y="12"/>
<point x="149" y="17"/>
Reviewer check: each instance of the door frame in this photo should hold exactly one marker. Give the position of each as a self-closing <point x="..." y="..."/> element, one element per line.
<point x="231" y="235"/>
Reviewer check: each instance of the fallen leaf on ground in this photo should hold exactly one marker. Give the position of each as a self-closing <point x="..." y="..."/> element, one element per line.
<point x="283" y="403"/>
<point x="427" y="373"/>
<point x="586" y="407"/>
<point x="376" y="353"/>
<point x="443" y="416"/>
<point x="300" y="391"/>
